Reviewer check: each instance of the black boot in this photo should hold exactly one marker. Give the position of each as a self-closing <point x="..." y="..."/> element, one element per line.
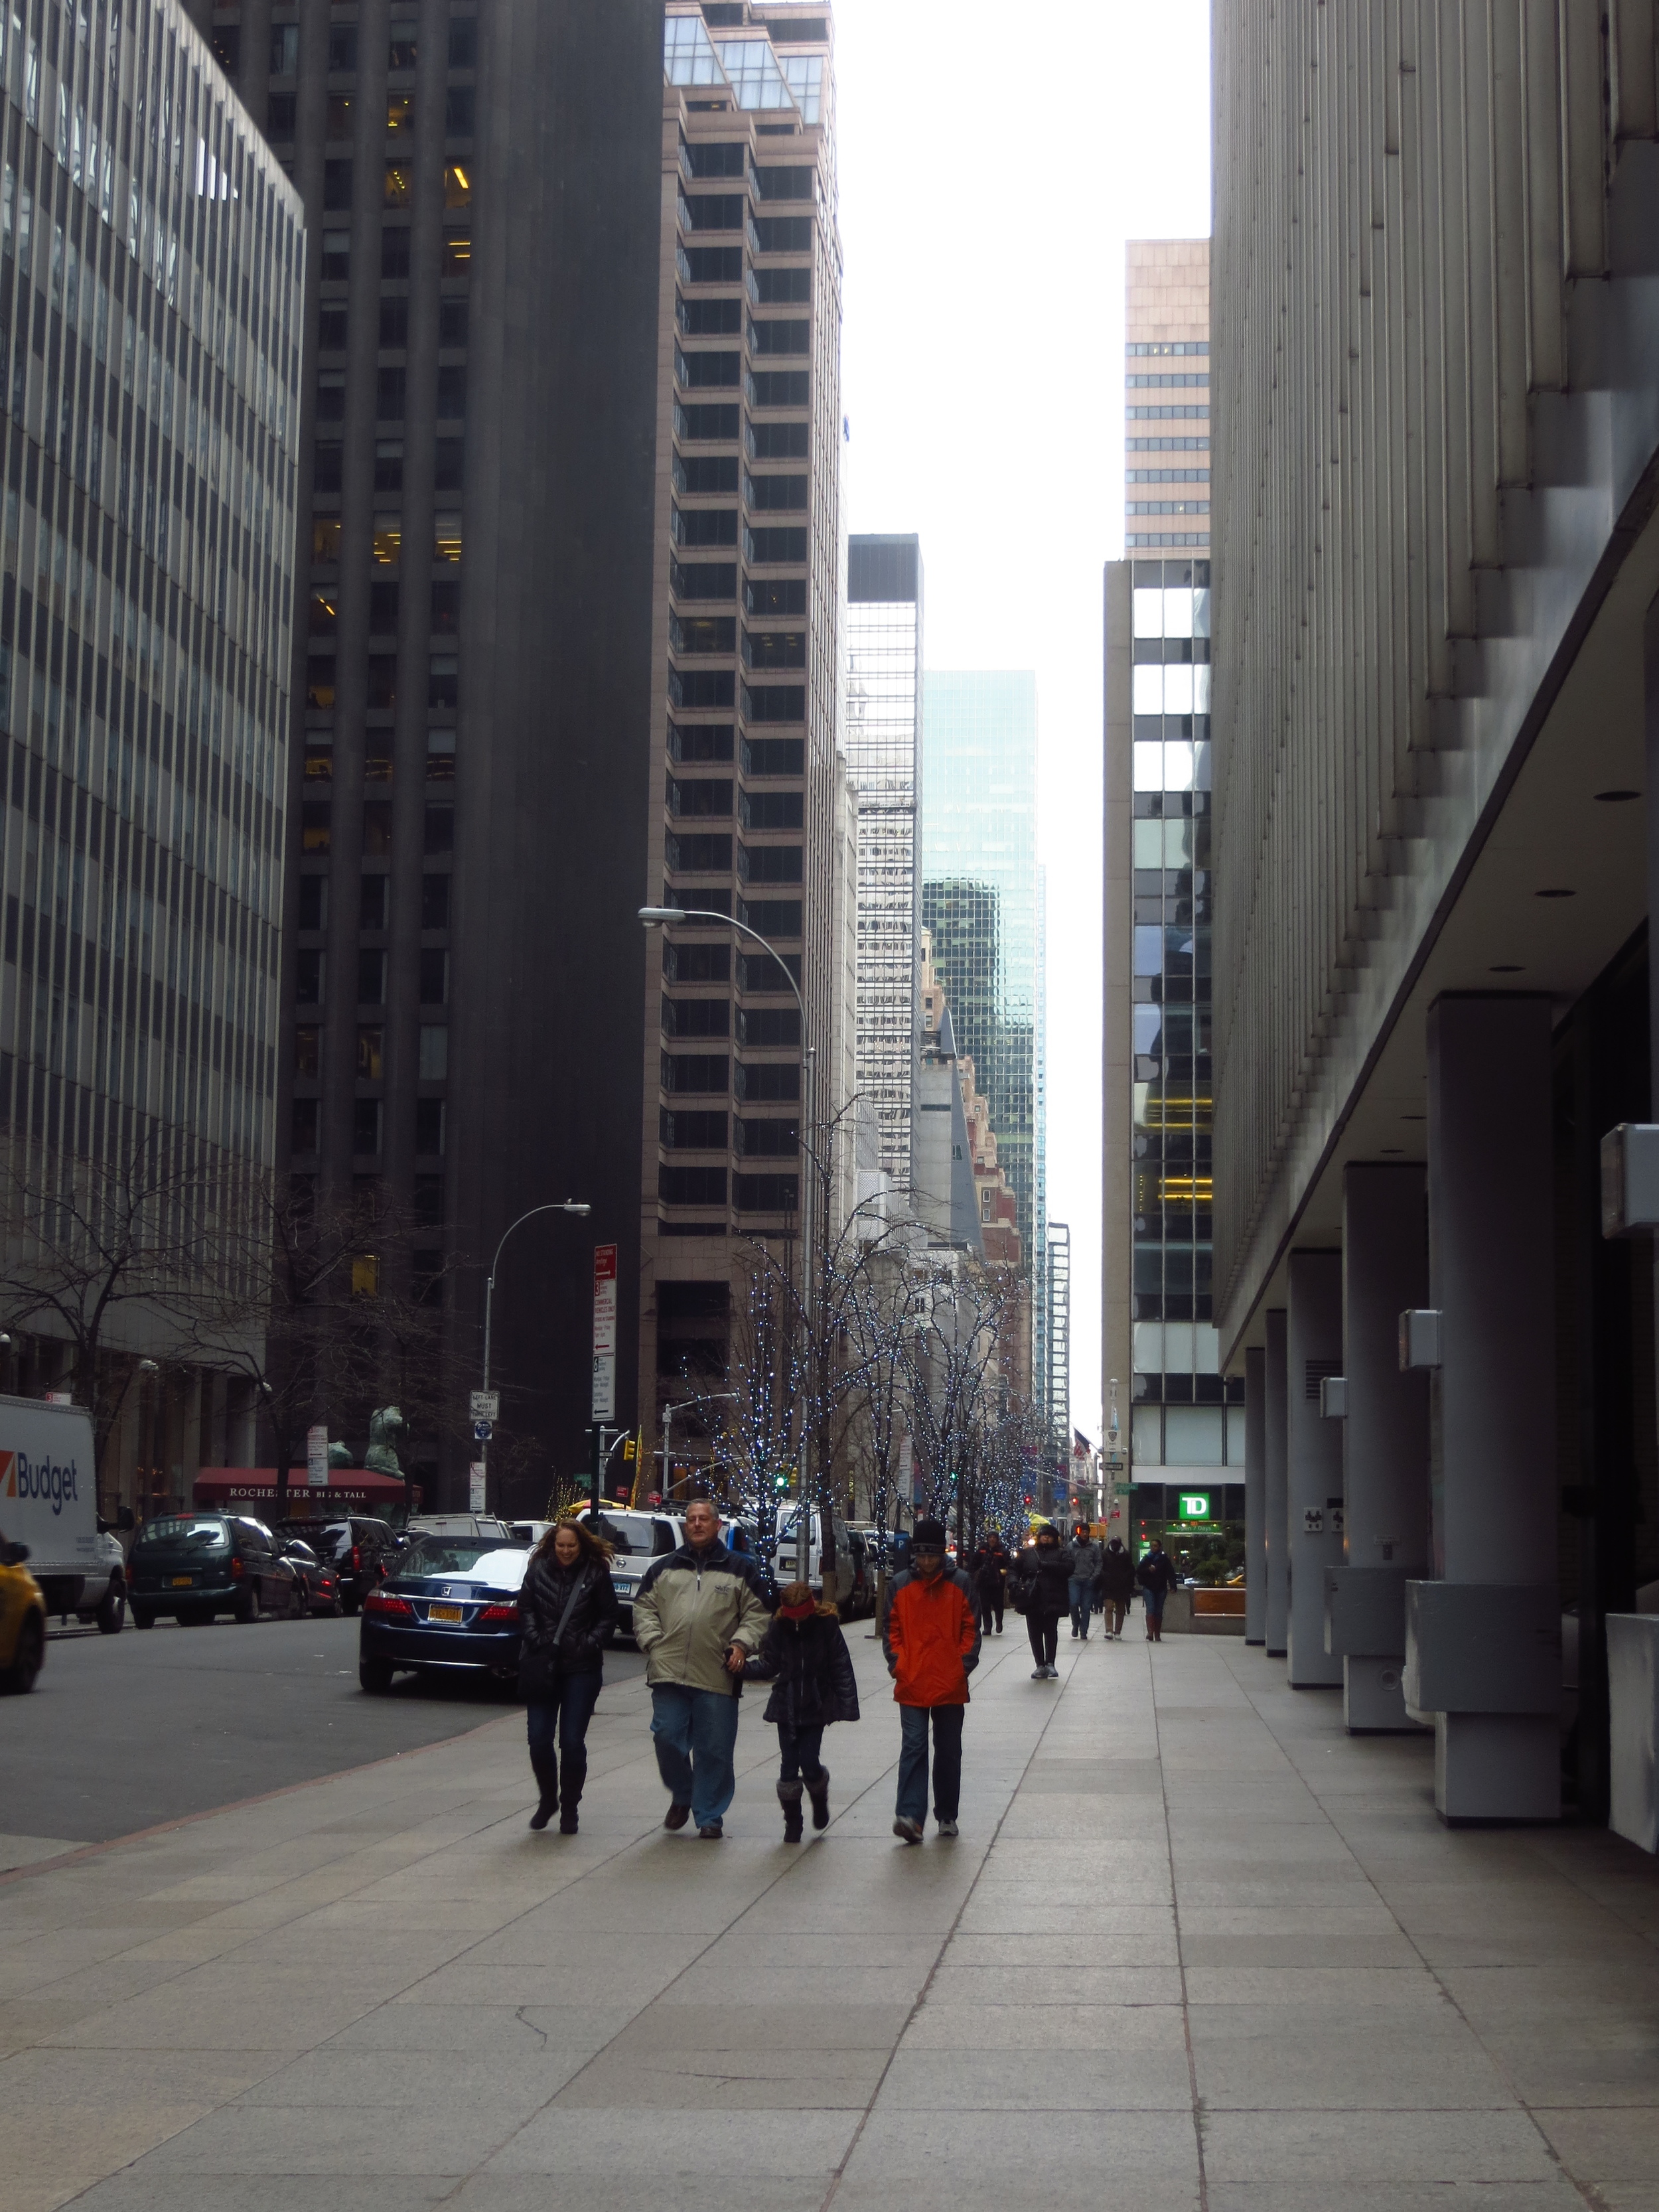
<point x="818" y="1791"/>
<point x="789" y="1798"/>
<point x="545" y="1765"/>
<point x="570" y="1787"/>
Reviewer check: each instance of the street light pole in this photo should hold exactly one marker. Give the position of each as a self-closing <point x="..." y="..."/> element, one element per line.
<point x="564" y="1206"/>
<point x="654" y="917"/>
<point x="676" y="1406"/>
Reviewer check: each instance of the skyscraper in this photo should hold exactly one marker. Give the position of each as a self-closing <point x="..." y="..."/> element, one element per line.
<point x="1158" y="1315"/>
<point x="152" y="263"/>
<point x="883" y="732"/>
<point x="980" y="895"/>
<point x="747" y="804"/>
<point x="472" y="718"/>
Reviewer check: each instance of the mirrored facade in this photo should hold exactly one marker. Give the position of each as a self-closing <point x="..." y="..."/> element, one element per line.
<point x="882" y="729"/>
<point x="152" y="261"/>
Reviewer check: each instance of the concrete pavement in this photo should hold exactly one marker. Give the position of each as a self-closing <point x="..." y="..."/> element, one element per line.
<point x="1193" y="1948"/>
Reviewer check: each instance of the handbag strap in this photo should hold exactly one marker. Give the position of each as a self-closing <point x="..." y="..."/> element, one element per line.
<point x="577" y="1587"/>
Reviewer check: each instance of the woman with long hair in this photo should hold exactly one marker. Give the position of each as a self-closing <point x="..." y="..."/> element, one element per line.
<point x="569" y="1611"/>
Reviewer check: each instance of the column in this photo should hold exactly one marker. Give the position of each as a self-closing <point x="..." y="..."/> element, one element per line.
<point x="1276" y="1528"/>
<point x="1385" y="1269"/>
<point x="1255" y="1496"/>
<point x="1313" y="1461"/>
<point x="1483" y="1640"/>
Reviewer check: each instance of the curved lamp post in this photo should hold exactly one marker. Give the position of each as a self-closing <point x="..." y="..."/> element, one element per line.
<point x="565" y="1205"/>
<point x="654" y="917"/>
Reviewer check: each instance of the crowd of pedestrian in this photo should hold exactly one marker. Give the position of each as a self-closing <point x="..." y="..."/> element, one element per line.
<point x="702" y="1621"/>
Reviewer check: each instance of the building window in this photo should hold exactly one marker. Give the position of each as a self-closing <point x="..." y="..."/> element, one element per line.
<point x="313" y="903"/>
<point x="435" y="1051"/>
<point x="308" y="972"/>
<point x="435" y="973"/>
<point x="435" y="901"/>
<point x="451" y="394"/>
<point x="463" y="42"/>
<point x="691" y="1186"/>
<point x="400" y="114"/>
<point x="430" y="1117"/>
<point x="308" y="1050"/>
<point x="767" y="1194"/>
<point x="366" y="1118"/>
<point x="284" y="49"/>
<point x="371" y="1053"/>
<point x="302" y="1133"/>
<point x="314" y="826"/>
<point x="371" y="979"/>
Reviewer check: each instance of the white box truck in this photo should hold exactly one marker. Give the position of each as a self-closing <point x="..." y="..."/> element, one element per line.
<point x="49" y="1501"/>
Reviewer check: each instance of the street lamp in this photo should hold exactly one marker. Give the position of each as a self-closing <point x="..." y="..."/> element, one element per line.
<point x="653" y="917"/>
<point x="565" y="1205"/>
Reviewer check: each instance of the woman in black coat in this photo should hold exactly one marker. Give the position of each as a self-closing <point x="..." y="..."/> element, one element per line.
<point x="803" y="1656"/>
<point x="567" y="1611"/>
<point x="1044" y="1574"/>
<point x="1117" y="1584"/>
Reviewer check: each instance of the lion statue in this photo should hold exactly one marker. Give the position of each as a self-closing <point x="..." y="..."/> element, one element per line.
<point x="386" y="1430"/>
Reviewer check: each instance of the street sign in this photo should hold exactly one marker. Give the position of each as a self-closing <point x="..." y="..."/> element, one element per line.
<point x="482" y="1431"/>
<point x="475" y="1486"/>
<point x="604" y="1333"/>
<point x="484" y="1406"/>
<point x="317" y="1457"/>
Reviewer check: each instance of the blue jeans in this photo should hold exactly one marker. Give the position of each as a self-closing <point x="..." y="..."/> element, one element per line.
<point x="1154" y="1599"/>
<point x="798" y="1750"/>
<point x="1080" y="1591"/>
<point x="697" y="1733"/>
<point x="912" y="1761"/>
<point x="568" y="1711"/>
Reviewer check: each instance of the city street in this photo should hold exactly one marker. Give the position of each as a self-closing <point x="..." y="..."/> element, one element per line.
<point x="122" y="1732"/>
<point x="1196" y="1947"/>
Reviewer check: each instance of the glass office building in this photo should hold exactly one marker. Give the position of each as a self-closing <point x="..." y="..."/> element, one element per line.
<point x="883" y="735"/>
<point x="980" y="896"/>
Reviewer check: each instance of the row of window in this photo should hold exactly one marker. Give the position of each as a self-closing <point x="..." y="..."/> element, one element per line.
<point x="764" y="287"/>
<point x="711" y="797"/>
<point x="1171" y="445"/>
<point x="712" y="1017"/>
<point x="698" y="853"/>
<point x="777" y="494"/>
<point x="764" y="545"/>
<point x="339" y="123"/>
<point x="718" y="579"/>
<point x="763" y="1194"/>
<point x="767" y="233"/>
<point x="391" y="402"/>
<point x="759" y="756"/>
<point x="703" y="634"/>
<point x="368" y="1127"/>
<point x="444" y="608"/>
<point x="1172" y="411"/>
<point x="764" y="442"/>
<point x="396" y="253"/>
<point x="402" y="47"/>
<point x="764" y="387"/>
<point x="437" y="836"/>
<point x="693" y="687"/>
<point x="1169" y="505"/>
<point x="397" y="184"/>
<point x="394" y="324"/>
<point x="1191" y="474"/>
<point x="433" y="1059"/>
<point x="443" y="683"/>
<point x="713" y="1075"/>
<point x="311" y="977"/>
<point x="701" y="1130"/>
<point x="1138" y="347"/>
<point x="374" y="891"/>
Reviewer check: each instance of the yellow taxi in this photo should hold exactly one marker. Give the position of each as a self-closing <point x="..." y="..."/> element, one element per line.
<point x="22" y="1621"/>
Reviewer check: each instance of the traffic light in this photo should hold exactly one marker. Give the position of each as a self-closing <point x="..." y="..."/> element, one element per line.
<point x="631" y="1449"/>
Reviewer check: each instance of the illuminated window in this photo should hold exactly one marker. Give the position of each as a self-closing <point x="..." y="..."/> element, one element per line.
<point x="319" y="757"/>
<point x="457" y="251"/>
<point x="399" y="184"/>
<point x="324" y="614"/>
<point x="446" y="538"/>
<point x="458" y="186"/>
<point x="320" y="683"/>
<point x="339" y="115"/>
<point x="400" y="114"/>
<point x="308" y="1051"/>
<point x="371" y="1054"/>
<point x="388" y="542"/>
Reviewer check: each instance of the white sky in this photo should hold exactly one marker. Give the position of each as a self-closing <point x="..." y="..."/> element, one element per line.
<point x="992" y="163"/>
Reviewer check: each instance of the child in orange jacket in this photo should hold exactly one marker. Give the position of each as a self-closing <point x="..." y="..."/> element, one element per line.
<point x="930" y="1634"/>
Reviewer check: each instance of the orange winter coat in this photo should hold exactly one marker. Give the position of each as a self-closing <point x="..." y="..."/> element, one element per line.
<point x="930" y="1633"/>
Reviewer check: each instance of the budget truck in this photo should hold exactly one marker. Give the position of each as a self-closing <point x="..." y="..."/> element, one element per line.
<point x="49" y="1503"/>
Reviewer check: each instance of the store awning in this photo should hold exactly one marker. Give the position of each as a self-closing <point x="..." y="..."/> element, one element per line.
<point x="253" y="1489"/>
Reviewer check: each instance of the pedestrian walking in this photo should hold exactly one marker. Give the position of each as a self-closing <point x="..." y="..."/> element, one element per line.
<point x="990" y="1576"/>
<point x="567" y="1612"/>
<point x="1156" y="1576"/>
<point x="699" y="1616"/>
<point x="930" y="1635"/>
<point x="1117" y="1584"/>
<point x="1042" y="1577"/>
<point x="1086" y="1556"/>
<point x="803" y="1656"/>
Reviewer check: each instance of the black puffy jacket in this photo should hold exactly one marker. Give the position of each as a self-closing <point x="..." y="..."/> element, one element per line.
<point x="542" y="1602"/>
<point x="811" y="1670"/>
<point x="1044" y="1572"/>
<point x="1117" y="1574"/>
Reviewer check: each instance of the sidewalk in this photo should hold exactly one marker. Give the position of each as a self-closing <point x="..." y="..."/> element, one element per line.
<point x="1193" y="1948"/>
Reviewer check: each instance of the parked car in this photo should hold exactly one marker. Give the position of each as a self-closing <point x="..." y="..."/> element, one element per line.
<point x="360" y="1550"/>
<point x="319" y="1586"/>
<point x="22" y="1621"/>
<point x="446" y="1602"/>
<point x="786" y="1558"/>
<point x="194" y="1566"/>
<point x="637" y="1539"/>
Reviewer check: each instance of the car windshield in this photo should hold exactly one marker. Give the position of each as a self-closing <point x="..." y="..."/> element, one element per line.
<point x="324" y="1540"/>
<point x="179" y="1533"/>
<point x="476" y="1557"/>
<point x="639" y="1534"/>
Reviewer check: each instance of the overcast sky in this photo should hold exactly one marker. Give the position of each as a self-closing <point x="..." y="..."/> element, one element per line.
<point x="992" y="163"/>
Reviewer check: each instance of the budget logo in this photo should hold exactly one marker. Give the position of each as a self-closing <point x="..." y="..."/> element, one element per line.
<point x="50" y="1482"/>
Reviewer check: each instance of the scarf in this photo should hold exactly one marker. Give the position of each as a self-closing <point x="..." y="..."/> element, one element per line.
<point x="798" y="1612"/>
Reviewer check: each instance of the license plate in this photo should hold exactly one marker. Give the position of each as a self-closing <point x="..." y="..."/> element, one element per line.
<point x="443" y="1612"/>
<point x="183" y="1582"/>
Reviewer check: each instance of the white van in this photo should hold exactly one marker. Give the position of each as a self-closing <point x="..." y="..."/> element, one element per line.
<point x="49" y="1501"/>
<point x="786" y="1557"/>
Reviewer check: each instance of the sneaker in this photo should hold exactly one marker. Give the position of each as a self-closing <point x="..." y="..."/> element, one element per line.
<point x="947" y="1827"/>
<point x="1039" y="1674"/>
<point x="711" y="1831"/>
<point x="907" y="1832"/>
<point x="676" y="1816"/>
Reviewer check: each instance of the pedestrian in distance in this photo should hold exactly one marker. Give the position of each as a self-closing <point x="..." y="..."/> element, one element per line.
<point x="567" y="1611"/>
<point x="930" y="1635"/>
<point x="1044" y="1580"/>
<point x="1156" y="1576"/>
<point x="803" y="1656"/>
<point x="990" y="1576"/>
<point x="699" y="1616"/>
<point x="1117" y="1584"/>
<point x="1086" y="1556"/>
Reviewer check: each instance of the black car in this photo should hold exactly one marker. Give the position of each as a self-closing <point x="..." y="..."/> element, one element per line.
<point x="320" y="1585"/>
<point x="360" y="1550"/>
<point x="446" y="1601"/>
<point x="194" y="1565"/>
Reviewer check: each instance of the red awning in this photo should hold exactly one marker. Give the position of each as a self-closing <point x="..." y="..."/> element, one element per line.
<point x="351" y="1489"/>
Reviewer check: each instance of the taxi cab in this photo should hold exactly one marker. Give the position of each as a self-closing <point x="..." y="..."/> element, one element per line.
<point x="22" y="1621"/>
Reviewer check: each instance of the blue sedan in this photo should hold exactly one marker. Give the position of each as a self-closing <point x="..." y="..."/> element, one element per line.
<point x="446" y="1601"/>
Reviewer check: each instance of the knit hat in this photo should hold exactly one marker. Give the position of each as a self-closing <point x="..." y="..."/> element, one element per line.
<point x="929" y="1535"/>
